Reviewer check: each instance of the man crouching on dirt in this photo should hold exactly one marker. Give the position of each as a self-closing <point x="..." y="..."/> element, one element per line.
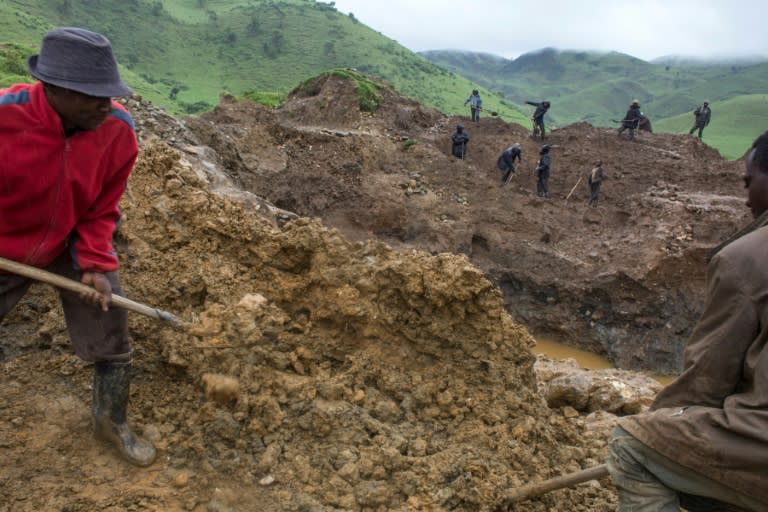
<point x="705" y="439"/>
<point x="66" y="151"/>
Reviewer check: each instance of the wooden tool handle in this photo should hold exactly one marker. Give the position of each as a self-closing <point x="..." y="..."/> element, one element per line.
<point x="77" y="287"/>
<point x="537" y="489"/>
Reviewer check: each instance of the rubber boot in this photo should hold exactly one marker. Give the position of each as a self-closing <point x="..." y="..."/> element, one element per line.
<point x="111" y="385"/>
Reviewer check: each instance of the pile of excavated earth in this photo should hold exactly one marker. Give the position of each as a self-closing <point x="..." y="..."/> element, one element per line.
<point x="360" y="307"/>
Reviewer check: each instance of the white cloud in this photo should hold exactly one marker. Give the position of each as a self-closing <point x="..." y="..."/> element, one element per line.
<point x="648" y="29"/>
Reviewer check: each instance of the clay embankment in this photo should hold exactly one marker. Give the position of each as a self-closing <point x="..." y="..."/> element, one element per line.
<point x="623" y="280"/>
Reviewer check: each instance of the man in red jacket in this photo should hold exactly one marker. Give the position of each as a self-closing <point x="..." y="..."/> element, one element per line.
<point x="66" y="150"/>
<point x="704" y="444"/>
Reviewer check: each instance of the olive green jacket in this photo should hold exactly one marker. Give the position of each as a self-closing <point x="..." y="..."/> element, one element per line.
<point x="714" y="417"/>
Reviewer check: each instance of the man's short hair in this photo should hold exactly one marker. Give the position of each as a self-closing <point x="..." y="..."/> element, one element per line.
<point x="760" y="157"/>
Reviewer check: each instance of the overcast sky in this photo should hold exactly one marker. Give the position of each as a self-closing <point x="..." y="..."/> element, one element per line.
<point x="643" y="28"/>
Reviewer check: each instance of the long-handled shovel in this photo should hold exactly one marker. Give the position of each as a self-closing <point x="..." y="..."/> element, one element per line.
<point x="74" y="286"/>
<point x="574" y="188"/>
<point x="493" y="113"/>
<point x="560" y="482"/>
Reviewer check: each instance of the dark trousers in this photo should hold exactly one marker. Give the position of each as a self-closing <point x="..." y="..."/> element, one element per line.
<point x="542" y="190"/>
<point x="538" y="126"/>
<point x="475" y="113"/>
<point x="647" y="480"/>
<point x="594" y="190"/>
<point x="505" y="174"/>
<point x="697" y="127"/>
<point x="96" y="335"/>
<point x="631" y="131"/>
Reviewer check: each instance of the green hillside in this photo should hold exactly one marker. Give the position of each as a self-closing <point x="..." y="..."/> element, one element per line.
<point x="484" y="68"/>
<point x="184" y="53"/>
<point x="13" y="63"/>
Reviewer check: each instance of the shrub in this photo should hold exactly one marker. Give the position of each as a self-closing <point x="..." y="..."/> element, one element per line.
<point x="268" y="99"/>
<point x="15" y="62"/>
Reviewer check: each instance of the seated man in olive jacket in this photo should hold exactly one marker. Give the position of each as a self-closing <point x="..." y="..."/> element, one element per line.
<point x="704" y="444"/>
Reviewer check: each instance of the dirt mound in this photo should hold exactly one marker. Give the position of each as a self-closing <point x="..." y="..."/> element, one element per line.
<point x="348" y="100"/>
<point x="359" y="377"/>
<point x="350" y="349"/>
<point x="623" y="279"/>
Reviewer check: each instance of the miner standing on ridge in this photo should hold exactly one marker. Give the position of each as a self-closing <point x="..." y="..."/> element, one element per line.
<point x="704" y="443"/>
<point x="631" y="119"/>
<point x="66" y="151"/>
<point x="475" y="105"/>
<point x="538" y="117"/>
<point x="703" y="115"/>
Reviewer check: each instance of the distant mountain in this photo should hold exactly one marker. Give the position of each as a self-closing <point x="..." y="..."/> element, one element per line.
<point x="463" y="61"/>
<point x="687" y="60"/>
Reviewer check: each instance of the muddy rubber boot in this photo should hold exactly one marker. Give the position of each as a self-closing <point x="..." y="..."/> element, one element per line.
<point x="111" y="385"/>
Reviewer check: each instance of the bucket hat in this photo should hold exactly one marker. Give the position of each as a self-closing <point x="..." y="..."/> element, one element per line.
<point x="80" y="60"/>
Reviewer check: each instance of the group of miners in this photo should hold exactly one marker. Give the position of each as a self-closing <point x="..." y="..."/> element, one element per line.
<point x="507" y="159"/>
<point x="506" y="164"/>
<point x="475" y="103"/>
<point x="634" y="119"/>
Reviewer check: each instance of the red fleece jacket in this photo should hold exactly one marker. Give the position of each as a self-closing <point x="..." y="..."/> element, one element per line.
<point x="59" y="192"/>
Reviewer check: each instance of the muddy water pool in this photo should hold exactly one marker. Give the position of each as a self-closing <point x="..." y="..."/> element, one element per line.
<point x="584" y="358"/>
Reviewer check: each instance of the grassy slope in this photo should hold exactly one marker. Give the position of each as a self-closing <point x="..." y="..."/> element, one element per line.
<point x="195" y="50"/>
<point x="482" y="67"/>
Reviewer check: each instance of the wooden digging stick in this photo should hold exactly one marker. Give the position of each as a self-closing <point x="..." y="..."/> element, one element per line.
<point x="560" y="482"/>
<point x="574" y="188"/>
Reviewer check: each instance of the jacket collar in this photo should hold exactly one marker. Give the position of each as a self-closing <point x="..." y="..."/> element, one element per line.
<point x="42" y="110"/>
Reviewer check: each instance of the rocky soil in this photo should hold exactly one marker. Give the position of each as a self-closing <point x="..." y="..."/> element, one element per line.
<point x="623" y="280"/>
<point x="360" y="307"/>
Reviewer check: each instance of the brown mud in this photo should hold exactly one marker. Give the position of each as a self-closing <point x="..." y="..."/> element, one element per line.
<point x="365" y="302"/>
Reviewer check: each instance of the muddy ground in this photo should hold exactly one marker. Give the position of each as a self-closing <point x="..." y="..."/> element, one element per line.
<point x="373" y="299"/>
<point x="623" y="280"/>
